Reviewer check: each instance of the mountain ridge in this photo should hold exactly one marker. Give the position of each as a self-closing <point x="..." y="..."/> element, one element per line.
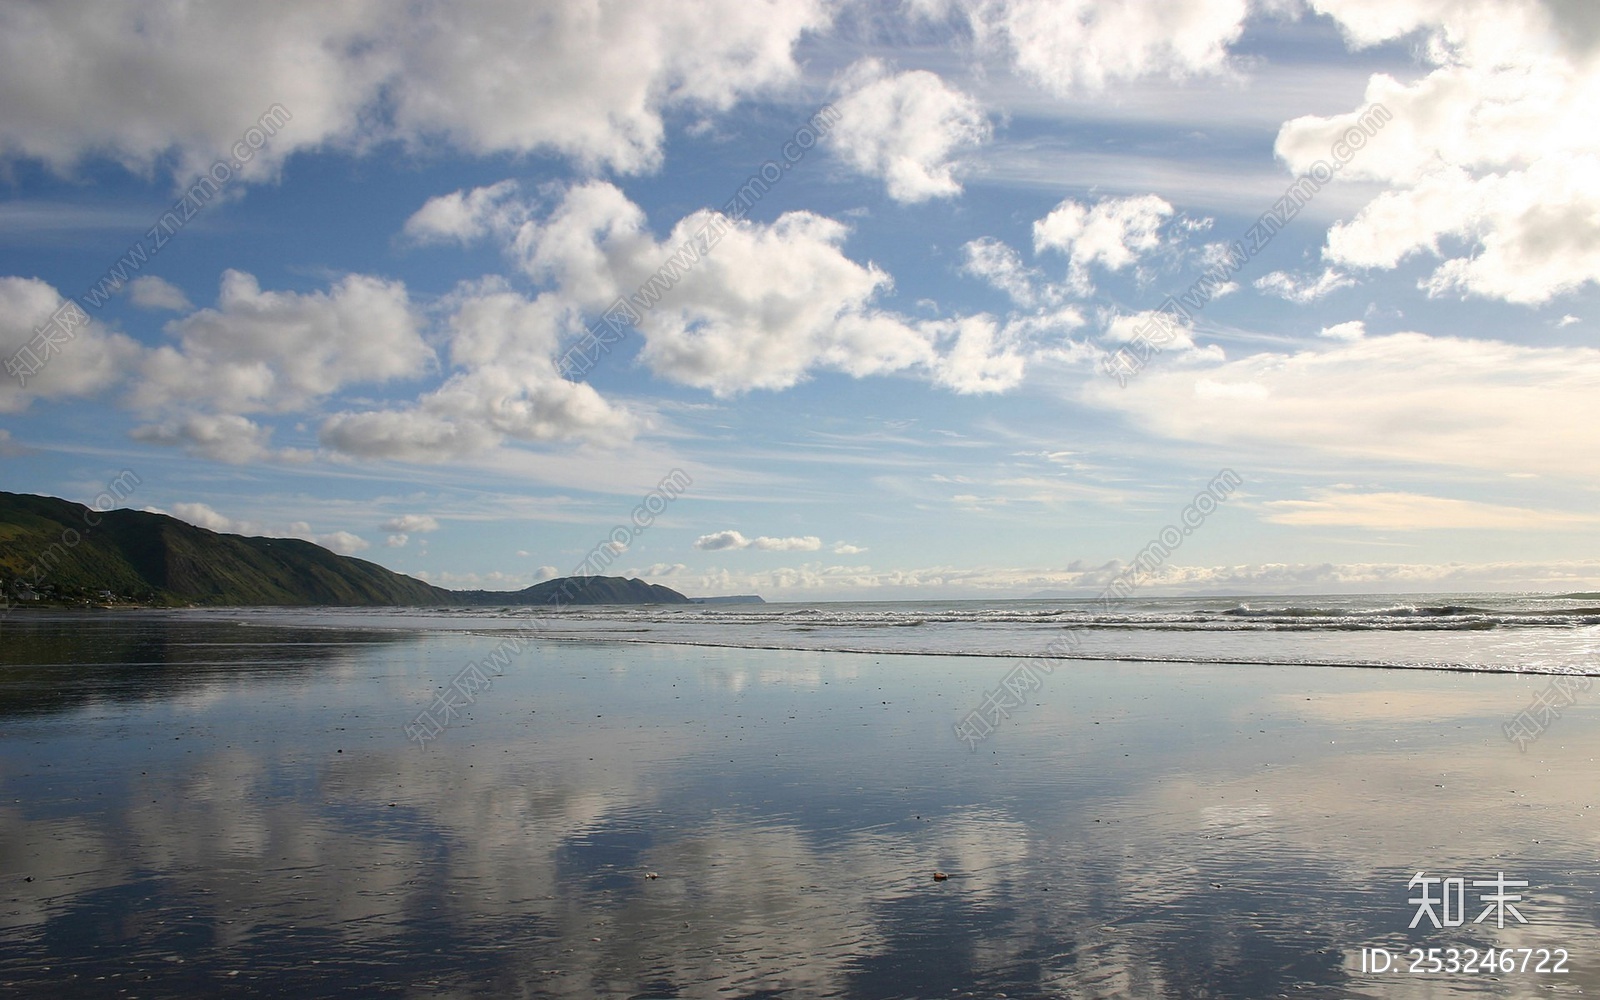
<point x="57" y="551"/>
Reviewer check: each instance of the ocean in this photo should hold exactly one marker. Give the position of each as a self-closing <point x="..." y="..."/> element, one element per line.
<point x="1499" y="632"/>
<point x="781" y="801"/>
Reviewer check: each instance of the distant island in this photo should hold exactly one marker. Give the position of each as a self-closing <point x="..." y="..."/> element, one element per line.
<point x="58" y="552"/>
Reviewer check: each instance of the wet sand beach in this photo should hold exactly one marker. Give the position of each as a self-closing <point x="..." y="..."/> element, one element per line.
<point x="201" y="808"/>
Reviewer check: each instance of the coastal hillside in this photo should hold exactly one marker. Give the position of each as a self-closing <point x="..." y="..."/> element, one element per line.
<point x="575" y="590"/>
<point x="56" y="551"/>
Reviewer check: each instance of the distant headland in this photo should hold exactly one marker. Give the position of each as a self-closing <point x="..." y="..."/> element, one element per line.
<point x="53" y="551"/>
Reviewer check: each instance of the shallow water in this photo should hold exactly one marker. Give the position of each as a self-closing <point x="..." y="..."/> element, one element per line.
<point x="1509" y="632"/>
<point x="195" y="807"/>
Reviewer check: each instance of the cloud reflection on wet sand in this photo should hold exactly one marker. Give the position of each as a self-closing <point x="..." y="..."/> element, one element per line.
<point x="1137" y="830"/>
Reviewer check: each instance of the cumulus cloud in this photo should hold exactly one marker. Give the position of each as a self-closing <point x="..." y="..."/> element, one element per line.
<point x="1073" y="46"/>
<point x="205" y="516"/>
<point x="906" y="128"/>
<point x="411" y="523"/>
<point x="409" y="435"/>
<point x="505" y="386"/>
<point x="260" y="351"/>
<point x="403" y="527"/>
<point x="465" y="216"/>
<point x="223" y="437"/>
<point x="1484" y="169"/>
<point x="806" y="543"/>
<point x="150" y="292"/>
<point x="760" y="309"/>
<point x="279" y="351"/>
<point x="720" y="540"/>
<point x="976" y="355"/>
<point x="1406" y="398"/>
<point x="1351" y="330"/>
<point x="1113" y="233"/>
<point x="587" y="81"/>
<point x="476" y="411"/>
<point x="773" y="302"/>
<point x="345" y="543"/>
<point x="78" y="362"/>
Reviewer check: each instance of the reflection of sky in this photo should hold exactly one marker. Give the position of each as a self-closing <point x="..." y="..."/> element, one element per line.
<point x="1138" y="830"/>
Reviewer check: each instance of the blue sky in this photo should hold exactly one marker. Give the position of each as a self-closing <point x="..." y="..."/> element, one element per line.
<point x="887" y="378"/>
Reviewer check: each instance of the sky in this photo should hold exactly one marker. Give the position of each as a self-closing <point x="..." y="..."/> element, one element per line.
<point x="933" y="299"/>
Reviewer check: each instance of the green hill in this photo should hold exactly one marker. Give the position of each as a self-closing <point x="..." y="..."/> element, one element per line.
<point x="577" y="590"/>
<point x="62" y="552"/>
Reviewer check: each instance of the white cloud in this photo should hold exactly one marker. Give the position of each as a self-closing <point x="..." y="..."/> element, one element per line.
<point x="401" y="529"/>
<point x="205" y="516"/>
<point x="1398" y="511"/>
<point x="1072" y="46"/>
<point x="410" y="435"/>
<point x="1046" y="331"/>
<point x="587" y="81"/>
<point x="413" y="523"/>
<point x="506" y="387"/>
<point x="223" y="437"/>
<point x="343" y="542"/>
<point x="1169" y="335"/>
<point x="845" y="549"/>
<point x="770" y="303"/>
<point x="81" y="362"/>
<point x="1302" y="290"/>
<point x="1352" y="330"/>
<point x="466" y="216"/>
<point x="1114" y="233"/>
<point x="150" y="292"/>
<point x="906" y="128"/>
<point x="476" y="411"/>
<point x="759" y="308"/>
<point x="1001" y="266"/>
<point x="1406" y="398"/>
<point x="977" y="356"/>
<point x="591" y="81"/>
<point x="718" y="541"/>
<point x="1566" y="321"/>
<point x="805" y="543"/>
<point x="1485" y="170"/>
<point x="279" y="351"/>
